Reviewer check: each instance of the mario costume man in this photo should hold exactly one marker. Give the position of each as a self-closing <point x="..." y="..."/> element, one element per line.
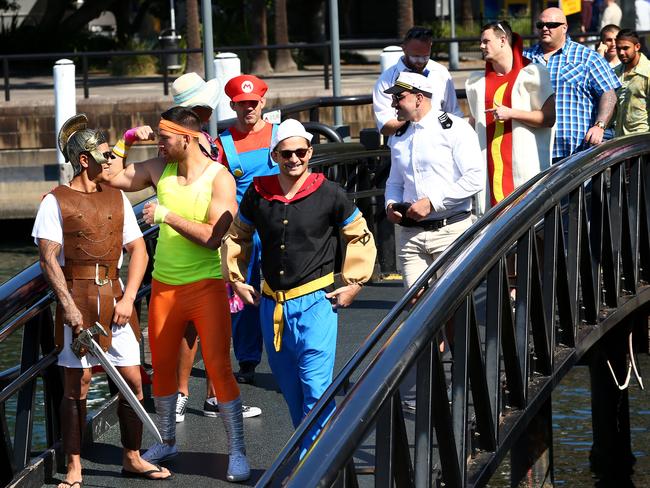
<point x="245" y="149"/>
<point x="297" y="215"/>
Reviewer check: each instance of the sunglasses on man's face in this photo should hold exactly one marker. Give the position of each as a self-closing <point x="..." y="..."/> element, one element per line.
<point x="108" y="155"/>
<point x="549" y="25"/>
<point x="398" y="97"/>
<point x="287" y="153"/>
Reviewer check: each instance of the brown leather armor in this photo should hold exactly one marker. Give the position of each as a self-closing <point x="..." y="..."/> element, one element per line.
<point x="92" y="245"/>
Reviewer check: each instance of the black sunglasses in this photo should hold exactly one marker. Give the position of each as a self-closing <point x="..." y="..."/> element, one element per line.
<point x="301" y="152"/>
<point x="107" y="155"/>
<point x="399" y="96"/>
<point x="549" y="25"/>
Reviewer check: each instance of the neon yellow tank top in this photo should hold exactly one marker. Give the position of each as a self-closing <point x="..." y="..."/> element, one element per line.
<point x="179" y="261"/>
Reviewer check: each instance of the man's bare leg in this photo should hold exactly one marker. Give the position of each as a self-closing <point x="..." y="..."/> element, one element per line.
<point x="132" y="436"/>
<point x="73" y="419"/>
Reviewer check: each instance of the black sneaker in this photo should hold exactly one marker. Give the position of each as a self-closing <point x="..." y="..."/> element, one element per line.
<point x="211" y="409"/>
<point x="246" y="373"/>
<point x="181" y="407"/>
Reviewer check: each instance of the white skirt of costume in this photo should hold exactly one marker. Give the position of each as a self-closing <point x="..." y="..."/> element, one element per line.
<point x="124" y="350"/>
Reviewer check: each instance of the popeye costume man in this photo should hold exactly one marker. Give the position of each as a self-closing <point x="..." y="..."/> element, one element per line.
<point x="245" y="149"/>
<point x="297" y="215"/>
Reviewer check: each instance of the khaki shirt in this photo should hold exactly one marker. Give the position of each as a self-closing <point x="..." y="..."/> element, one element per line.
<point x="633" y="97"/>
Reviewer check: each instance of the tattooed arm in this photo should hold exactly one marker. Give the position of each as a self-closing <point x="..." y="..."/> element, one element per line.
<point x="606" y="106"/>
<point x="48" y="252"/>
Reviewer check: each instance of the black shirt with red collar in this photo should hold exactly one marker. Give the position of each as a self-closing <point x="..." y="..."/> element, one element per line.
<point x="298" y="235"/>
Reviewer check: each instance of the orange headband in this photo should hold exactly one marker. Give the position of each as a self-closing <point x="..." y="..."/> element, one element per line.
<point x="170" y="126"/>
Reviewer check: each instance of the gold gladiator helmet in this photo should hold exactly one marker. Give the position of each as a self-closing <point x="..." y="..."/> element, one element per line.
<point x="75" y="138"/>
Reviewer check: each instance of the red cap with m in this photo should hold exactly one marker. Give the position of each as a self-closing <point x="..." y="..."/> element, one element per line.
<point x="245" y="87"/>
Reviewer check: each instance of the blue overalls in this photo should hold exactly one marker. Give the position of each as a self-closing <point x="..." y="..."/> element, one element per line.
<point x="246" y="328"/>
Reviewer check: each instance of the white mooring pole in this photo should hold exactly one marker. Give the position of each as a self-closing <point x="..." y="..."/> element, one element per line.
<point x="65" y="106"/>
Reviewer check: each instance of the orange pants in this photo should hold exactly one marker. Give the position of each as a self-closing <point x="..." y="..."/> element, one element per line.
<point x="205" y="303"/>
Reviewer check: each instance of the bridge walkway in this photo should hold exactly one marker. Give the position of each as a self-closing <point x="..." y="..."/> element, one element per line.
<point x="202" y="461"/>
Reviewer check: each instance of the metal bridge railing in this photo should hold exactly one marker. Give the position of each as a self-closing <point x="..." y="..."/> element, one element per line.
<point x="555" y="266"/>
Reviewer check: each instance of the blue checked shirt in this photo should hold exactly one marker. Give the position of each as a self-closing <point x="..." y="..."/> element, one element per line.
<point x="579" y="76"/>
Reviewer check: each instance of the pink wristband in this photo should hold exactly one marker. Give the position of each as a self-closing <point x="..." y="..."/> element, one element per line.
<point x="130" y="137"/>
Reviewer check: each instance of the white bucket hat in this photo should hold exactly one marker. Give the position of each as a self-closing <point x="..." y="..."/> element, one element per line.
<point x="191" y="90"/>
<point x="289" y="128"/>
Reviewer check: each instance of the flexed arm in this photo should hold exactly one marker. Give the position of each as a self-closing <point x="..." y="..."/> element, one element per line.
<point x="138" y="176"/>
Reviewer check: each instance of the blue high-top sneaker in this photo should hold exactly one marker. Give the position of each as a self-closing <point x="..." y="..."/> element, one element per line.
<point x="233" y="422"/>
<point x="166" y="423"/>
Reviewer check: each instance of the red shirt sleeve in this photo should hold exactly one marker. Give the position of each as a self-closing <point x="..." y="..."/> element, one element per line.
<point x="221" y="158"/>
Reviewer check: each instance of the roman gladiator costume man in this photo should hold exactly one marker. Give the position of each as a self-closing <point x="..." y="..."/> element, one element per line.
<point x="80" y="230"/>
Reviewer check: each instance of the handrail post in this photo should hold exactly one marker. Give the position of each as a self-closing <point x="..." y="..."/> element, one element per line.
<point x="314" y="114"/>
<point x="84" y="64"/>
<point x="165" y="75"/>
<point x="5" y="70"/>
<point x="52" y="385"/>
<point x="326" y="67"/>
<point x="25" y="405"/>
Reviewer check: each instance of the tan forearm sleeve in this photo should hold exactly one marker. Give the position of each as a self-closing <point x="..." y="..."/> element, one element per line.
<point x="360" y="252"/>
<point x="236" y="251"/>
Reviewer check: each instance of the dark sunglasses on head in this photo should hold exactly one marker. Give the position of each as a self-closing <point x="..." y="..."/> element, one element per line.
<point x="301" y="152"/>
<point x="549" y="25"/>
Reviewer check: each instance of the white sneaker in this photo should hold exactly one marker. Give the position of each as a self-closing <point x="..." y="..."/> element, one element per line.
<point x="181" y="406"/>
<point x="211" y="409"/>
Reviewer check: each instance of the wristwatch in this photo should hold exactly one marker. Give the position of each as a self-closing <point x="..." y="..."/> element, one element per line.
<point x="600" y="124"/>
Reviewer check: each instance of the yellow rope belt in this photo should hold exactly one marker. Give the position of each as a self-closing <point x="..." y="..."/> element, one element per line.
<point x="282" y="296"/>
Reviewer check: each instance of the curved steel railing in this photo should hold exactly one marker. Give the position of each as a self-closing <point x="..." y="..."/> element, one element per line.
<point x="589" y="236"/>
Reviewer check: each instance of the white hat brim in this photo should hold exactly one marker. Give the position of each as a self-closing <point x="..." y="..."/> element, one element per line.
<point x="208" y="96"/>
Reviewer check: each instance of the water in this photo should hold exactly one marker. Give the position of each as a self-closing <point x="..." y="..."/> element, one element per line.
<point x="572" y="433"/>
<point x="571" y="399"/>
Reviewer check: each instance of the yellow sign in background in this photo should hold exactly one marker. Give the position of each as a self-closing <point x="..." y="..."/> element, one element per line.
<point x="570" y="6"/>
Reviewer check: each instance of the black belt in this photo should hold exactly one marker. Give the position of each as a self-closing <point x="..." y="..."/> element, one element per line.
<point x="439" y="224"/>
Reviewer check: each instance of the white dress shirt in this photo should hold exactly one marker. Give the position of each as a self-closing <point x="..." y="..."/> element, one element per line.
<point x="444" y="165"/>
<point x="444" y="93"/>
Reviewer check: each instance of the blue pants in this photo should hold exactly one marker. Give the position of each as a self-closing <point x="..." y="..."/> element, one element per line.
<point x="304" y="366"/>
<point x="246" y="329"/>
